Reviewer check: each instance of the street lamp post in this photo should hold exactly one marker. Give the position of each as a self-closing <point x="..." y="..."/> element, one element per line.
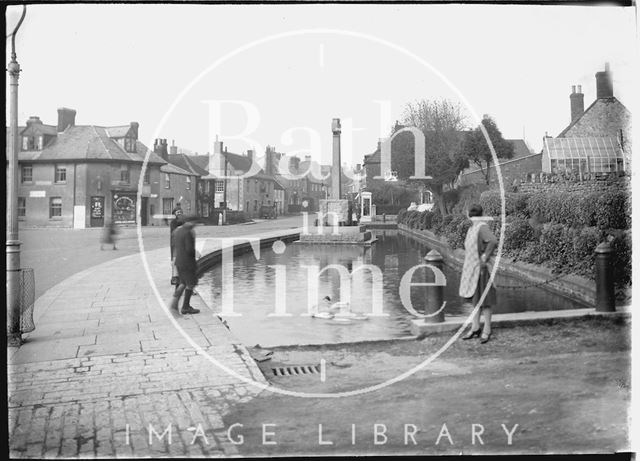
<point x="14" y="335"/>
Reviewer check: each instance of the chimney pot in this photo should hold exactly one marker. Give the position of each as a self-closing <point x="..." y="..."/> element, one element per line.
<point x="576" y="103"/>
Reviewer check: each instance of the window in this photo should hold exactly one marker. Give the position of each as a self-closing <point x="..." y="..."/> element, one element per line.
<point x="188" y="183"/>
<point x="61" y="174"/>
<point x="124" y="174"/>
<point x="205" y="209"/>
<point x="147" y="176"/>
<point x="207" y="187"/>
<point x="219" y="186"/>
<point x="129" y="144"/>
<point x="25" y="143"/>
<point x="22" y="207"/>
<point x="255" y="205"/>
<point x="40" y="142"/>
<point x="55" y="207"/>
<point x="27" y="173"/>
<point x="167" y="181"/>
<point x="167" y="206"/>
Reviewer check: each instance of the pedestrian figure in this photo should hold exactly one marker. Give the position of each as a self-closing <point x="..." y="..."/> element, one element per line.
<point x="184" y="241"/>
<point x="479" y="245"/>
<point x="109" y="235"/>
<point x="173" y="225"/>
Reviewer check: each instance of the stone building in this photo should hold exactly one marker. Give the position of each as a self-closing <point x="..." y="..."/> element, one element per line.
<point x="85" y="175"/>
<point x="598" y="139"/>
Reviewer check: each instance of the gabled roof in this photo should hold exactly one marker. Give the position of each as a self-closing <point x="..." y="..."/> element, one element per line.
<point x="173" y="169"/>
<point x="520" y="148"/>
<point x="238" y="162"/>
<point x="598" y="104"/>
<point x="188" y="163"/>
<point x="118" y="131"/>
<point x="34" y="129"/>
<point x="89" y="143"/>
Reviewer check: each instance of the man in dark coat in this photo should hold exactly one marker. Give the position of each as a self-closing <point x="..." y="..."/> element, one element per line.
<point x="184" y="243"/>
<point x="173" y="225"/>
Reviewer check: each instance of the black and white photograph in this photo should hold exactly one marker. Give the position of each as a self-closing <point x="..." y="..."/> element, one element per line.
<point x="320" y="229"/>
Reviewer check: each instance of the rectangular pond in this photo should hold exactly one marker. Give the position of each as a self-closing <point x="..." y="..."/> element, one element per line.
<point x="273" y="294"/>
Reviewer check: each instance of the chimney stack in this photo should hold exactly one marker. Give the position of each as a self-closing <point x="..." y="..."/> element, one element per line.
<point x="134" y="128"/>
<point x="33" y="119"/>
<point x="216" y="161"/>
<point x="173" y="150"/>
<point x="66" y="117"/>
<point x="604" y="83"/>
<point x="160" y="148"/>
<point x="577" y="102"/>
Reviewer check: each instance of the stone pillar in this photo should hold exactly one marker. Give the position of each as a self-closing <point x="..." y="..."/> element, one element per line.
<point x="336" y="192"/>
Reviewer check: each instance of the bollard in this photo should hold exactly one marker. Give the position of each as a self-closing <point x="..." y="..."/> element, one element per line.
<point x="435" y="294"/>
<point x="605" y="291"/>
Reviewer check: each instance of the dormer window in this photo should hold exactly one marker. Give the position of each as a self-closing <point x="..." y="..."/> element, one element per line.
<point x="129" y="144"/>
<point x="32" y="143"/>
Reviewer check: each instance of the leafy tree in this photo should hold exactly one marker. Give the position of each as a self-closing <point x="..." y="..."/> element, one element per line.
<point x="475" y="148"/>
<point x="442" y="122"/>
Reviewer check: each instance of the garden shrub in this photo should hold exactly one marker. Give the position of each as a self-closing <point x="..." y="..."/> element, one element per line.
<point x="520" y="205"/>
<point x="425" y="221"/>
<point x="458" y="233"/>
<point x="516" y="235"/>
<point x="585" y="242"/>
<point x="556" y="245"/>
<point x="514" y="203"/>
<point x="585" y="209"/>
<point x="400" y="218"/>
<point x="612" y="211"/>
<point x="621" y="245"/>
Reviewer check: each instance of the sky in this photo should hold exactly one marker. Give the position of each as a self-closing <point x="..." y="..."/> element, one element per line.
<point x="258" y="75"/>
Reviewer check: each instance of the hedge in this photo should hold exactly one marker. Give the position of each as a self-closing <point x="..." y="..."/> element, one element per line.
<point x="559" y="229"/>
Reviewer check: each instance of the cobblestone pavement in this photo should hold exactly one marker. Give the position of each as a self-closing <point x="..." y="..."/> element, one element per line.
<point x="106" y="372"/>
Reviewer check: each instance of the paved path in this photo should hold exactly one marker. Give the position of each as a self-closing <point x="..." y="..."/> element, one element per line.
<point x="106" y="363"/>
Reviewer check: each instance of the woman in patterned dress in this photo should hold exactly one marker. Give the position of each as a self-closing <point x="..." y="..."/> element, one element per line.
<point x="479" y="246"/>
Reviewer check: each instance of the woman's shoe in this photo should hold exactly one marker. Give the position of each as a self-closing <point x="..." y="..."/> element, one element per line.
<point x="472" y="334"/>
<point x="485" y="339"/>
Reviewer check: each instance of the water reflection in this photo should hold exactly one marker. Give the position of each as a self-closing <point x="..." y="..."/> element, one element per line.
<point x="394" y="254"/>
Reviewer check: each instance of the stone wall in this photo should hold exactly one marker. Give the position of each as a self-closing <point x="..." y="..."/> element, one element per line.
<point x="575" y="186"/>
<point x="510" y="169"/>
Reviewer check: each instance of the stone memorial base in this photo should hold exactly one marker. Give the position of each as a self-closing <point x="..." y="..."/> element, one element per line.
<point x="337" y="235"/>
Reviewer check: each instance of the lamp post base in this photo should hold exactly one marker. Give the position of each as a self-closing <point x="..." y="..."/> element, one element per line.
<point x="14" y="341"/>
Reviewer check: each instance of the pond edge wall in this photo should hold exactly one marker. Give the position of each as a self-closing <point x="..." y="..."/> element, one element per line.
<point x="571" y="286"/>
